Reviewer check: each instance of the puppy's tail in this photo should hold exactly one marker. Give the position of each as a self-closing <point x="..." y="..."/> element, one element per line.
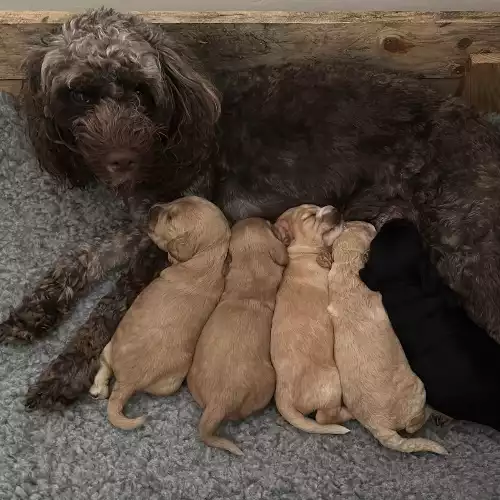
<point x="391" y="439"/>
<point x="209" y="423"/>
<point x="294" y="417"/>
<point x="117" y="401"/>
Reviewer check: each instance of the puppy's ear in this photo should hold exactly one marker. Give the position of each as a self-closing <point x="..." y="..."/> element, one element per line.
<point x="330" y="215"/>
<point x="330" y="236"/>
<point x="281" y="229"/>
<point x="324" y="259"/>
<point x="179" y="249"/>
<point x="279" y="254"/>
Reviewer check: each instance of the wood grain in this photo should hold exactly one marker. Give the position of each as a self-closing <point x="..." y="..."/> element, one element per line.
<point x="482" y="82"/>
<point x="433" y="46"/>
<point x="252" y="17"/>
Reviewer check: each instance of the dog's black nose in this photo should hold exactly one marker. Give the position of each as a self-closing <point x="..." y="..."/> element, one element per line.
<point x="119" y="161"/>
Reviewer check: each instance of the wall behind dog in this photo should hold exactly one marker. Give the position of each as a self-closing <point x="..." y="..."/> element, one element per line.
<point x="291" y="5"/>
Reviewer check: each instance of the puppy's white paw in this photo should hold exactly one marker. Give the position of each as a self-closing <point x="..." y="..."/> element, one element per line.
<point x="99" y="392"/>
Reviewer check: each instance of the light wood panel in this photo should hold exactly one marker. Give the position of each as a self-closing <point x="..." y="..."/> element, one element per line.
<point x="434" y="46"/>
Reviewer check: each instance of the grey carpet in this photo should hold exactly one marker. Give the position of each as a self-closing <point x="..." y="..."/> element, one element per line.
<point x="77" y="455"/>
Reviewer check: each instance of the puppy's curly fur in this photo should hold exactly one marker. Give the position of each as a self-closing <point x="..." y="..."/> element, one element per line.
<point x="114" y="99"/>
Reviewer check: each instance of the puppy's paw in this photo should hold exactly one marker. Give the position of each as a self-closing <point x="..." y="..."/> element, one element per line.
<point x="99" y="391"/>
<point x="62" y="383"/>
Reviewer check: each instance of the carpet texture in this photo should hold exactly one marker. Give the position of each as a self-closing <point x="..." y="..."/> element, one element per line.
<point x="77" y="455"/>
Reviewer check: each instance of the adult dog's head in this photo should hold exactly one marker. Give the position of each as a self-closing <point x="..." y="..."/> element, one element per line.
<point x="113" y="98"/>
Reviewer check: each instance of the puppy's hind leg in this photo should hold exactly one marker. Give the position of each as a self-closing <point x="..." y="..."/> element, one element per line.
<point x="164" y="386"/>
<point x="100" y="388"/>
<point x="418" y="421"/>
<point x="392" y="440"/>
<point x="297" y="419"/>
<point x="334" y="416"/>
<point x="210" y="420"/>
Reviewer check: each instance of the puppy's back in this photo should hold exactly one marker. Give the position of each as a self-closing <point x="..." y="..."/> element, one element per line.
<point x="232" y="376"/>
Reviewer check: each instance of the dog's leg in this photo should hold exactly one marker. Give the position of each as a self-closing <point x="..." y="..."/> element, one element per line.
<point x="72" y="373"/>
<point x="418" y="421"/>
<point x="327" y="416"/>
<point x="335" y="416"/>
<point x="165" y="386"/>
<point x="100" y="387"/>
<point x="57" y="293"/>
<point x="392" y="440"/>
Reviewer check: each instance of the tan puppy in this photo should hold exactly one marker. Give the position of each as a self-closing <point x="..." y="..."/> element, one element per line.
<point x="302" y="333"/>
<point x="153" y="347"/>
<point x="379" y="388"/>
<point x="232" y="375"/>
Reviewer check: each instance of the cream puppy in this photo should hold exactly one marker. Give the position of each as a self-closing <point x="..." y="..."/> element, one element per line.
<point x="379" y="388"/>
<point x="153" y="346"/>
<point x="232" y="376"/>
<point x="302" y="333"/>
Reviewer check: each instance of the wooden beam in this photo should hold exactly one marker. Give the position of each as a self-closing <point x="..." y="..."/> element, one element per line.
<point x="268" y="17"/>
<point x="482" y="82"/>
<point x="432" y="46"/>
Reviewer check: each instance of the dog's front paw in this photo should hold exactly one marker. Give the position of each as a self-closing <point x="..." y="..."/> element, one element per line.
<point x="11" y="333"/>
<point x="62" y="383"/>
<point x="26" y="323"/>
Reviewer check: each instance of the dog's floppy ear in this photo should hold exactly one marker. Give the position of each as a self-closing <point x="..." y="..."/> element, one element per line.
<point x="193" y="101"/>
<point x="324" y="258"/>
<point x="50" y="144"/>
<point x="281" y="229"/>
<point x="279" y="254"/>
<point x="330" y="236"/>
<point x="178" y="248"/>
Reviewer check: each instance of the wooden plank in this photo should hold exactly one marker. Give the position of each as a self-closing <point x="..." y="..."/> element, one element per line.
<point x="268" y="17"/>
<point x="431" y="46"/>
<point x="287" y="5"/>
<point x="482" y="82"/>
<point x="12" y="86"/>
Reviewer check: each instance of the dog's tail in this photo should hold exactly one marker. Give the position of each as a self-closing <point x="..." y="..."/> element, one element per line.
<point x="391" y="439"/>
<point x="116" y="402"/>
<point x="210" y="420"/>
<point x="294" y="417"/>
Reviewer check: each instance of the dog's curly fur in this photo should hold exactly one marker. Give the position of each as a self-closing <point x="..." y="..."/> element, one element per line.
<point x="114" y="99"/>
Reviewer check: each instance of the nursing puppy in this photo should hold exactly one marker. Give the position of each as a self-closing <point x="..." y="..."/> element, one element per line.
<point x="302" y="334"/>
<point x="456" y="360"/>
<point x="153" y="347"/>
<point x="378" y="387"/>
<point x="232" y="375"/>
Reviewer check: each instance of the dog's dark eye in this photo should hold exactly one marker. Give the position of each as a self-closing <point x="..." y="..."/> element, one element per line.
<point x="143" y="94"/>
<point x="80" y="97"/>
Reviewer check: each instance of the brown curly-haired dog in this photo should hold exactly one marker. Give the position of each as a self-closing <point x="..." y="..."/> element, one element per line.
<point x="114" y="99"/>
